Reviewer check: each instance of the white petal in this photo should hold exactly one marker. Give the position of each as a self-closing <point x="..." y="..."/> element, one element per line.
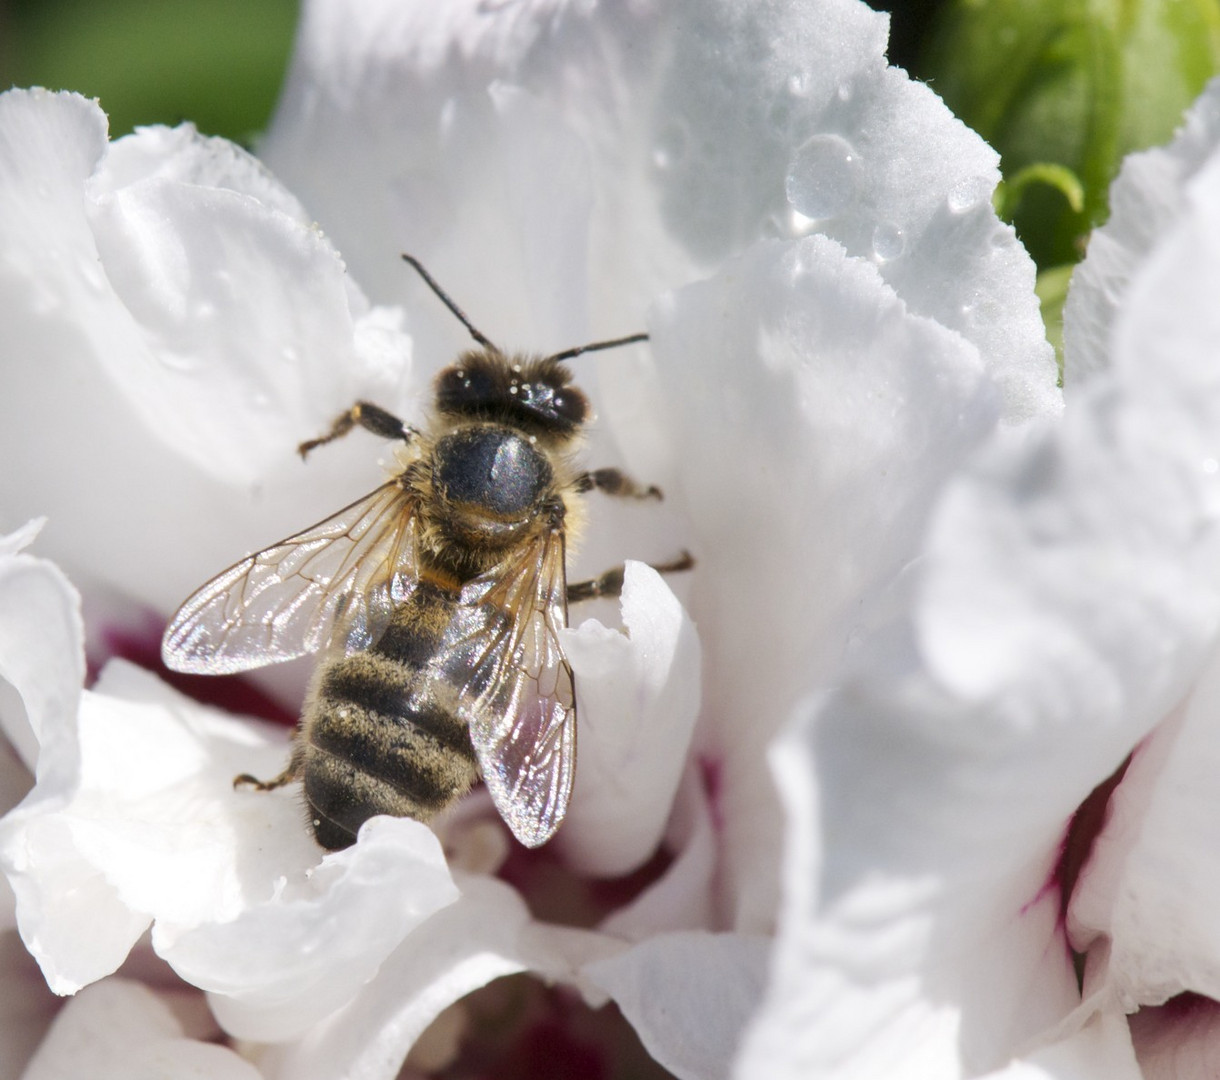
<point x="683" y="898"/>
<point x="1152" y="882"/>
<point x="688" y="996"/>
<point x="121" y="1030"/>
<point x="41" y="657"/>
<point x="487" y="933"/>
<point x="229" y="879"/>
<point x="1101" y="1049"/>
<point x="1068" y="598"/>
<point x="1145" y="201"/>
<point x="819" y="417"/>
<point x="228" y="373"/>
<point x="694" y="138"/>
<point x="173" y="330"/>
<point x="919" y="934"/>
<point x="639" y="696"/>
<point x="284" y="959"/>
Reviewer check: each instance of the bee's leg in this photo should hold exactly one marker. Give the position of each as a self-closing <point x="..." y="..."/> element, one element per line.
<point x="611" y="582"/>
<point x="286" y="777"/>
<point x="366" y="415"/>
<point x="614" y="482"/>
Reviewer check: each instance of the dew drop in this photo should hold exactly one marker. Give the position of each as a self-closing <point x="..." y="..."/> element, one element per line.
<point x="203" y="310"/>
<point x="823" y="177"/>
<point x="672" y="146"/>
<point x="889" y="241"/>
<point x="179" y="362"/>
<point x="967" y="194"/>
<point x="800" y="83"/>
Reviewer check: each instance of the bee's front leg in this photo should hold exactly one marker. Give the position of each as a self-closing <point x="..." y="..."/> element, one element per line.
<point x="611" y="582"/>
<point x="366" y="415"/>
<point x="615" y="482"/>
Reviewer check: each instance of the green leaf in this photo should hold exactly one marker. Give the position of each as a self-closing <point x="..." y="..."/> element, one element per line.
<point x="1075" y="84"/>
<point x="1052" y="289"/>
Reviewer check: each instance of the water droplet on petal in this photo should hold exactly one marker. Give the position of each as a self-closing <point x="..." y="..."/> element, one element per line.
<point x="968" y="193"/>
<point x="672" y="146"/>
<point x="179" y="362"/>
<point x="797" y="224"/>
<point x="889" y="241"/>
<point x="823" y="177"/>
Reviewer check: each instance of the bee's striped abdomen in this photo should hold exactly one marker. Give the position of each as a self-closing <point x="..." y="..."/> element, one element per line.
<point x="377" y="738"/>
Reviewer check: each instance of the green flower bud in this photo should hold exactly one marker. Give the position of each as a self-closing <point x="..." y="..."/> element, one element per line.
<point x="1066" y="88"/>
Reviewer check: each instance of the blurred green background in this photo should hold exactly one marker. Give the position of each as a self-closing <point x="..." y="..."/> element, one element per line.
<point x="216" y="62"/>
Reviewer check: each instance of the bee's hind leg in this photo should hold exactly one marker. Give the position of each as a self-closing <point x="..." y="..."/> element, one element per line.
<point x="366" y="415"/>
<point x="286" y="777"/>
<point x="611" y="582"/>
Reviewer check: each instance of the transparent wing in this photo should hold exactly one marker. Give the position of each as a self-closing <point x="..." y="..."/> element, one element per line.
<point x="514" y="686"/>
<point x="336" y="582"/>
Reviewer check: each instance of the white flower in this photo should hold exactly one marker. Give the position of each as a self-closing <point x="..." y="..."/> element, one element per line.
<point x="838" y="321"/>
<point x="1063" y="620"/>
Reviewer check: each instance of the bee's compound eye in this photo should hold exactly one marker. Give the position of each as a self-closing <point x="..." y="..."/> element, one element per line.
<point x="570" y="404"/>
<point x="462" y="386"/>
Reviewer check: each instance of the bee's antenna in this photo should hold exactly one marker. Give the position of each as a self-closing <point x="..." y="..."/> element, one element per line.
<point x="475" y="333"/>
<point x="567" y="354"/>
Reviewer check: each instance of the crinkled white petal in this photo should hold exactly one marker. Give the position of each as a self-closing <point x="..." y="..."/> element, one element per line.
<point x="41" y="657"/>
<point x="819" y="417"/>
<point x="174" y="327"/>
<point x="121" y="1030"/>
<point x="700" y="126"/>
<point x="688" y="996"/>
<point x="156" y="835"/>
<point x="638" y="695"/>
<point x="1153" y="883"/>
<point x="1145" y="201"/>
<point x="240" y="319"/>
<point x="1068" y="598"/>
<point x="1151" y="887"/>
<point x="486" y="934"/>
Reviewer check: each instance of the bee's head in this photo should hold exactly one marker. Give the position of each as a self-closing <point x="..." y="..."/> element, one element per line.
<point x="532" y="394"/>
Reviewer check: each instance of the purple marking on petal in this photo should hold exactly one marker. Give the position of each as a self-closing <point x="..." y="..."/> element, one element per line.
<point x="1082" y="831"/>
<point x="555" y="893"/>
<point x="518" y="1029"/>
<point x="142" y="645"/>
<point x="711" y="772"/>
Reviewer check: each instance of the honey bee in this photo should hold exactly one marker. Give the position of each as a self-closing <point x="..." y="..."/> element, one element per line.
<point x="436" y="601"/>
